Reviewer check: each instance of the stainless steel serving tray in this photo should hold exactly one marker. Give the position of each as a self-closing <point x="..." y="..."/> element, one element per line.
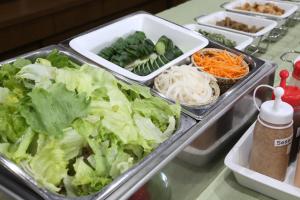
<point x="197" y="112"/>
<point x="185" y="124"/>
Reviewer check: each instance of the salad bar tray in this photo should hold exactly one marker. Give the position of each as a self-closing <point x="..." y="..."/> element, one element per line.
<point x="184" y="124"/>
<point x="260" y="72"/>
<point x="188" y="128"/>
<point x="197" y="112"/>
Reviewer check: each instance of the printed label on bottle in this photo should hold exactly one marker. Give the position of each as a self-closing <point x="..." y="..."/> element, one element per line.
<point x="283" y="141"/>
<point x="298" y="132"/>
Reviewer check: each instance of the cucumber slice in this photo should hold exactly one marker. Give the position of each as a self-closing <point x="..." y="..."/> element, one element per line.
<point x="159" y="61"/>
<point x="164" y="59"/>
<point x="156" y="65"/>
<point x="170" y="55"/>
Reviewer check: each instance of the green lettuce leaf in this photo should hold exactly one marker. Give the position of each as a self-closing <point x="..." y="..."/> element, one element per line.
<point x="51" y="111"/>
<point x="23" y="145"/>
<point x="86" y="180"/>
<point x="60" y="60"/>
<point x="12" y="124"/>
<point x="40" y="74"/>
<point x="10" y="81"/>
<point x="71" y="143"/>
<point x="152" y="108"/>
<point x="49" y="166"/>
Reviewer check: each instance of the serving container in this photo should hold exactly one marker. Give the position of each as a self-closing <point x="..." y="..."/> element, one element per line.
<point x="89" y="44"/>
<point x="242" y="41"/>
<point x="189" y="129"/>
<point x="264" y="34"/>
<point x="184" y="124"/>
<point x="290" y="9"/>
<point x="283" y="21"/>
<point x="199" y="112"/>
<point x="213" y="18"/>
<point x="237" y="160"/>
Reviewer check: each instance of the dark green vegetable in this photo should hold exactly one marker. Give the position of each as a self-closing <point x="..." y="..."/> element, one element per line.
<point x="138" y="53"/>
<point x="219" y="38"/>
<point x="125" y="51"/>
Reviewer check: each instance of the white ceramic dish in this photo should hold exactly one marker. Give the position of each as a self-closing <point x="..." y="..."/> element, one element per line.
<point x="211" y="20"/>
<point x="297" y="3"/>
<point x="289" y="9"/>
<point x="242" y="41"/>
<point x="237" y="161"/>
<point x="154" y="27"/>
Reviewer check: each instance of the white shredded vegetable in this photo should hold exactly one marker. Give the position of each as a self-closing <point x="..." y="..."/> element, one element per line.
<point x="187" y="85"/>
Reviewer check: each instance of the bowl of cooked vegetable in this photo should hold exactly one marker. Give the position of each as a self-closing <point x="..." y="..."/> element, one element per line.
<point x="225" y="66"/>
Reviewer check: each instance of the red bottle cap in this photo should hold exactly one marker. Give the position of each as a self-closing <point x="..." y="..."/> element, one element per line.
<point x="296" y="71"/>
<point x="291" y="93"/>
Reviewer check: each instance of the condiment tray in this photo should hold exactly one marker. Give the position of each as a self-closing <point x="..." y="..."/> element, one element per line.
<point x="237" y="160"/>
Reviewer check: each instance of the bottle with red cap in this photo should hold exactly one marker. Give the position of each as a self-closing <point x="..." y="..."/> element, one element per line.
<point x="295" y="78"/>
<point x="292" y="97"/>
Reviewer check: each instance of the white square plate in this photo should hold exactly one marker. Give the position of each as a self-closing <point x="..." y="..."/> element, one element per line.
<point x="287" y="7"/>
<point x="242" y="41"/>
<point x="154" y="27"/>
<point x="213" y="18"/>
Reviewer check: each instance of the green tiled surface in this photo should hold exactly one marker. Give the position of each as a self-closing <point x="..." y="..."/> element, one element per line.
<point x="215" y="181"/>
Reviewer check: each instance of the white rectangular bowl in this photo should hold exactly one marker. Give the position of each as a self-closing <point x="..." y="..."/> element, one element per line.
<point x="154" y="27"/>
<point x="237" y="160"/>
<point x="242" y="41"/>
<point x="297" y="3"/>
<point x="290" y="9"/>
<point x="211" y="20"/>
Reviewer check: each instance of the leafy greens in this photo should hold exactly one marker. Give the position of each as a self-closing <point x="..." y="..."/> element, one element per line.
<point x="76" y="128"/>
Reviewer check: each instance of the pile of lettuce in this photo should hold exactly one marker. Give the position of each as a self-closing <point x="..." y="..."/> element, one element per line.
<point x="76" y="128"/>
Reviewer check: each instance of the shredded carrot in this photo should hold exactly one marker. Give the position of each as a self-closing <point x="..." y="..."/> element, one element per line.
<point x="221" y="64"/>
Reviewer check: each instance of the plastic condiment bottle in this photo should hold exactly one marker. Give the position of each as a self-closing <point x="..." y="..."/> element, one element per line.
<point x="292" y="97"/>
<point x="295" y="78"/>
<point x="272" y="136"/>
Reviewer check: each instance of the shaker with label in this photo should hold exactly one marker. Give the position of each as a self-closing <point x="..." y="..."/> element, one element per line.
<point x="272" y="137"/>
<point x="292" y="97"/>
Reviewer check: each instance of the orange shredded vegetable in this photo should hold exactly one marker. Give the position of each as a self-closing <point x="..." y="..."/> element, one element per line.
<point x="221" y="64"/>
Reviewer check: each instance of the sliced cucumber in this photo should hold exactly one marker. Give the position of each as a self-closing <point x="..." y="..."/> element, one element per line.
<point x="159" y="61"/>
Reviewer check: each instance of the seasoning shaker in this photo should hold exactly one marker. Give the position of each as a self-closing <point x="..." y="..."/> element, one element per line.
<point x="292" y="97"/>
<point x="272" y="137"/>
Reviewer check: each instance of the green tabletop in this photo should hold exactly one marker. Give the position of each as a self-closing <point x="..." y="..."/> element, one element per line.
<point x="215" y="181"/>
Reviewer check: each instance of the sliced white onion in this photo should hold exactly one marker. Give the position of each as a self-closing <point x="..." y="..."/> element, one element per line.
<point x="187" y="85"/>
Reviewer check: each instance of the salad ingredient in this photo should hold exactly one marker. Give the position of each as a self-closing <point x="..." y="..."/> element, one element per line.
<point x="76" y="128"/>
<point x="188" y="85"/>
<point x="229" y="23"/>
<point x="124" y="51"/>
<point x="142" y="194"/>
<point x="218" y="38"/>
<point x="268" y="8"/>
<point x="50" y="112"/>
<point x="139" y="55"/>
<point x="221" y="63"/>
